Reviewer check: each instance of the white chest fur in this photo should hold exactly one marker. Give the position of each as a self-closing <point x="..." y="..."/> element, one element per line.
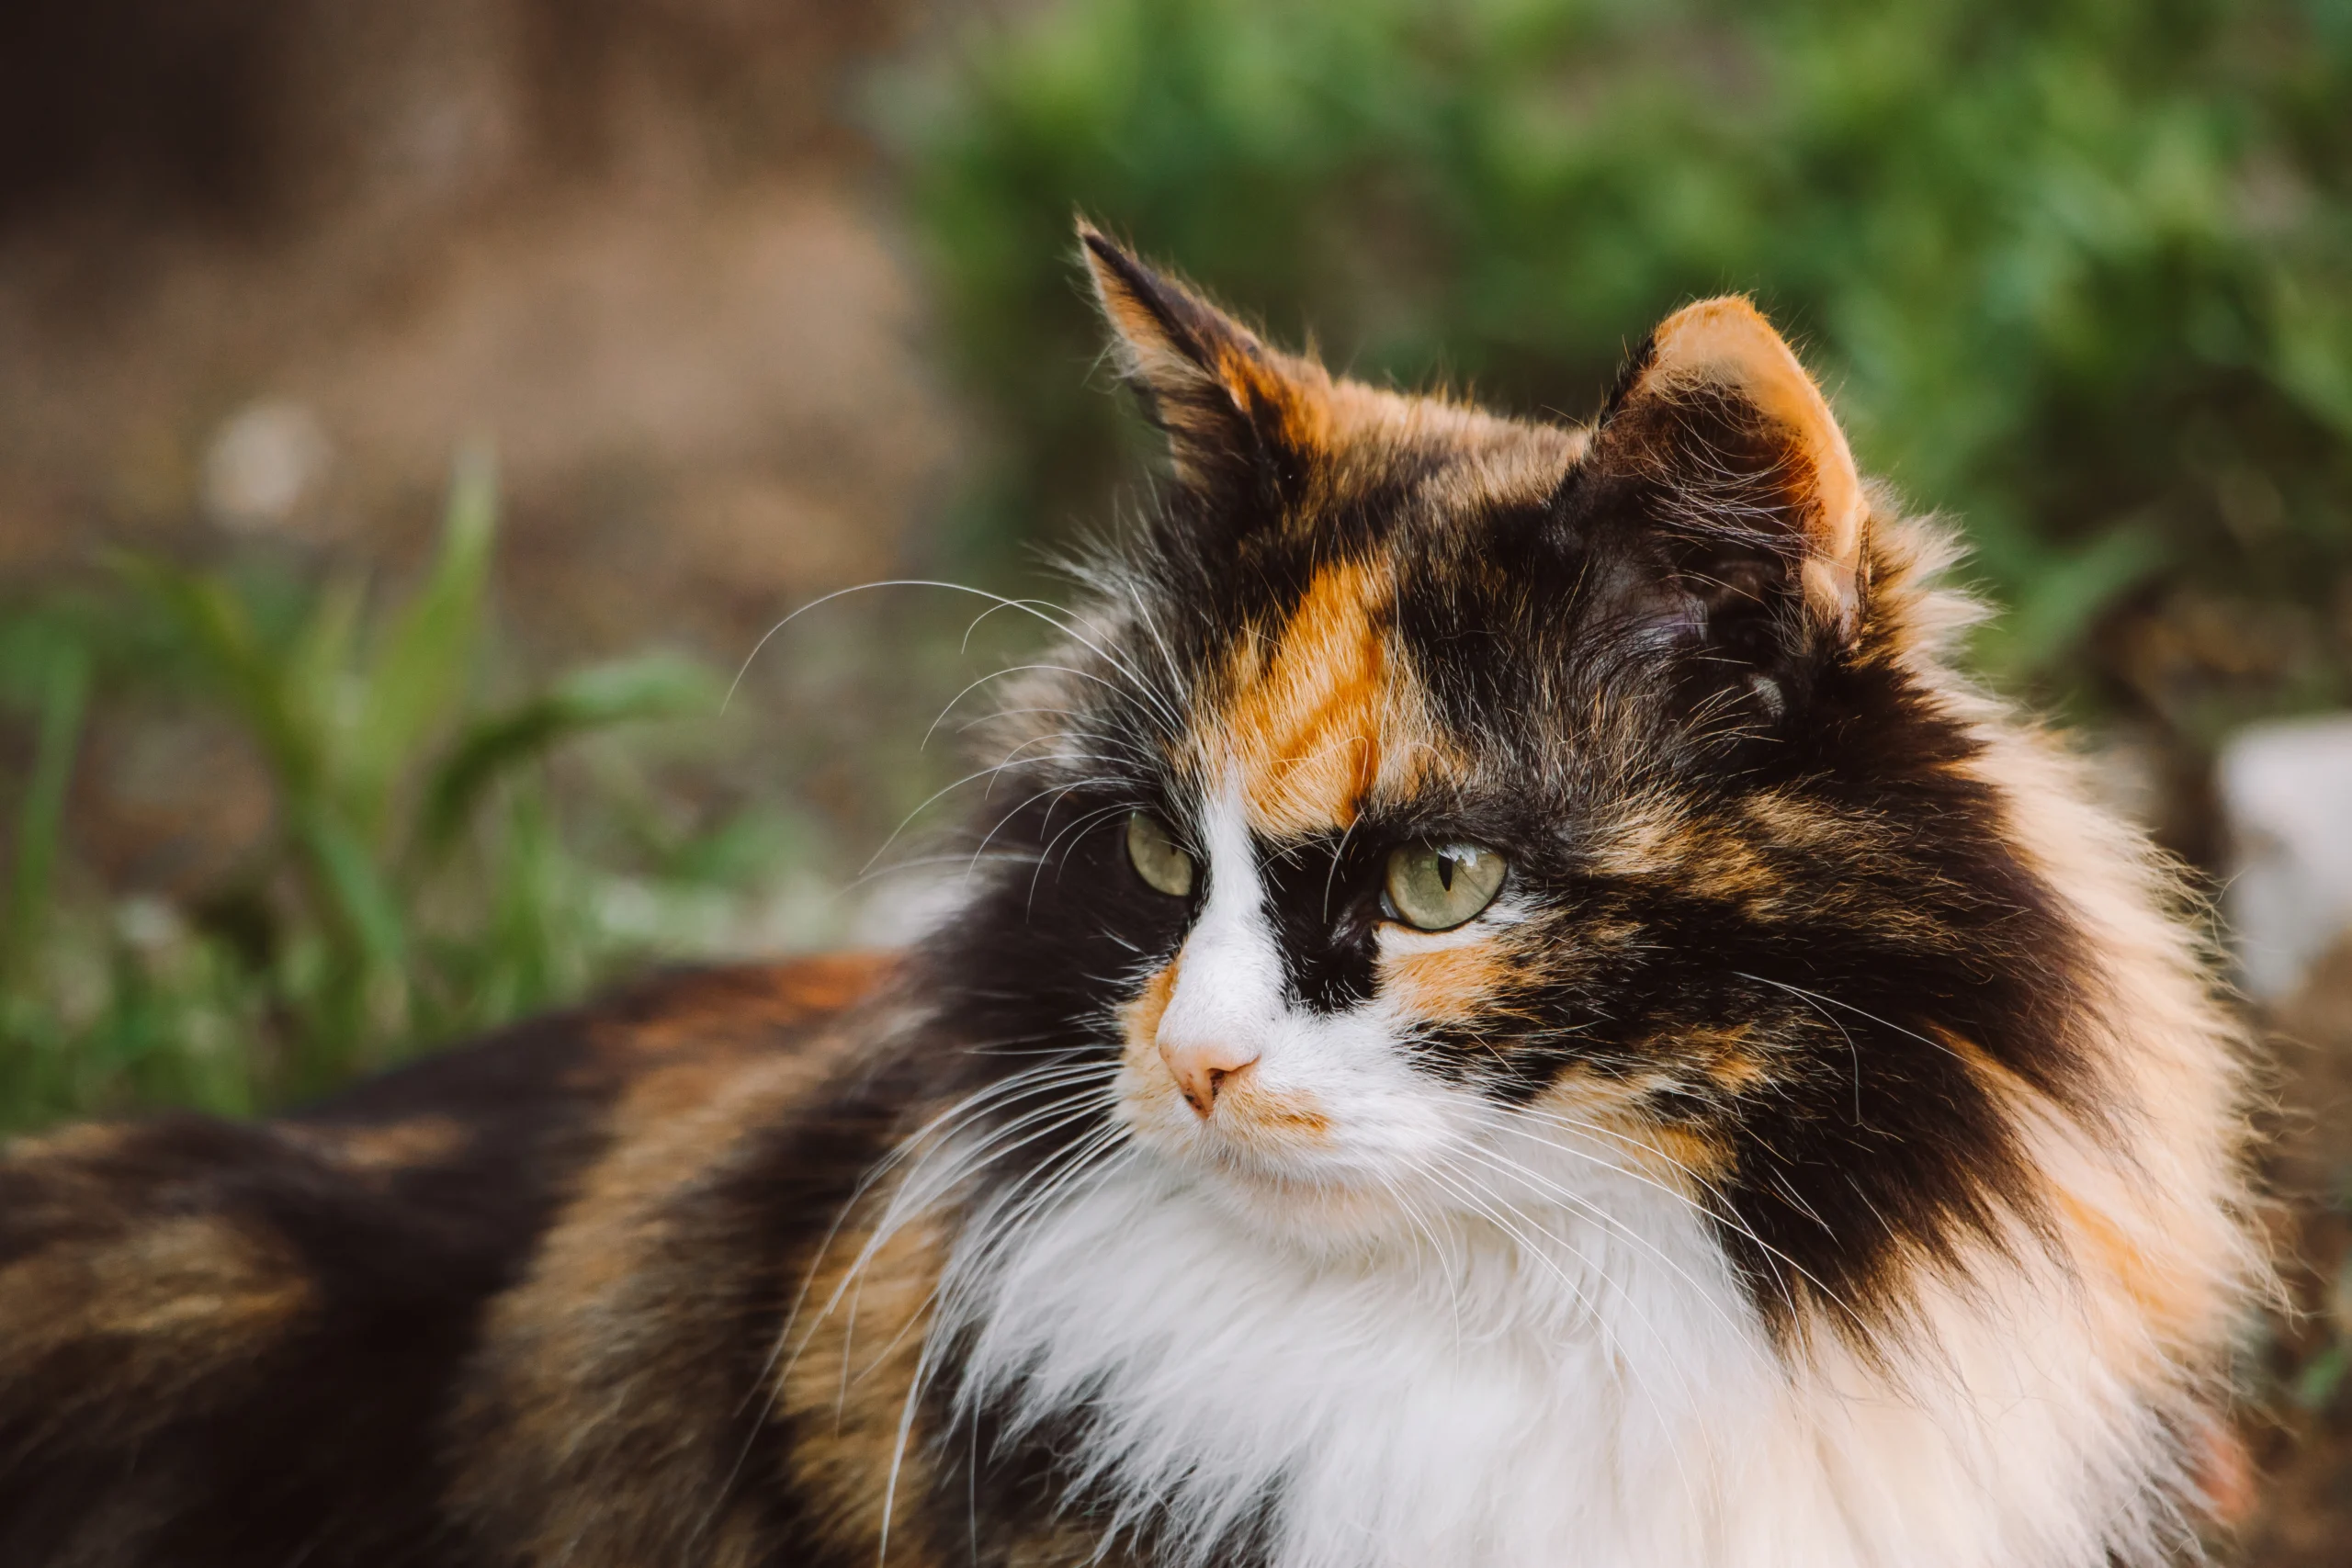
<point x="1603" y="1397"/>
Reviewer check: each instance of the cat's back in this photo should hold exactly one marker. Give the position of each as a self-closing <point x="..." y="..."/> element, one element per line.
<point x="231" y="1343"/>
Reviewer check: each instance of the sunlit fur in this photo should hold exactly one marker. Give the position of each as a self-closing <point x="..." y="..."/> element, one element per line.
<point x="1824" y="1150"/>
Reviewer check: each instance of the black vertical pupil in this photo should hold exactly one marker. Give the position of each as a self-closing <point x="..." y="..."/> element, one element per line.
<point x="1445" y="871"/>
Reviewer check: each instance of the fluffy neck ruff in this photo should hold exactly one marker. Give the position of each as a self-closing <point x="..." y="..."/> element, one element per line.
<point x="1567" y="1388"/>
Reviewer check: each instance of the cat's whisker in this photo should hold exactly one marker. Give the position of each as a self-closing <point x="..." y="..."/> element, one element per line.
<point x="925" y="1370"/>
<point x="823" y="600"/>
<point x="1605" y="1136"/>
<point x="912" y="1197"/>
<point x="1821" y="1000"/>
<point x="1724" y="1214"/>
<point x="1063" y="623"/>
<point x="1633" y="1364"/>
<point x="1004" y="673"/>
<point x="1600" y="1215"/>
<point x="1481" y="1199"/>
<point x="1054" y="791"/>
<point x="783" y="1354"/>
<point x="1062" y="1113"/>
<point x="1161" y="708"/>
<point x="1100" y="814"/>
<point x="1003" y="1225"/>
<point x="1007" y="764"/>
<point x="1030" y="605"/>
<point x="1426" y="1231"/>
<point x="1075" y="1156"/>
<point x="921" y="862"/>
<point x="999" y="716"/>
<point x="1176" y="682"/>
<point x="919" y="1143"/>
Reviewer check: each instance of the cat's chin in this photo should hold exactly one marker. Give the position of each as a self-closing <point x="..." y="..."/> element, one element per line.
<point x="1318" y="1212"/>
<point x="1281" y="1169"/>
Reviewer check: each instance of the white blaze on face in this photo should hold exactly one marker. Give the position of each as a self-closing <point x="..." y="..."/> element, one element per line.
<point x="1297" y="1118"/>
<point x="1227" y="1003"/>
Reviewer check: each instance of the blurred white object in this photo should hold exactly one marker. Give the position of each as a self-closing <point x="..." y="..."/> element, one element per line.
<point x="263" y="465"/>
<point x="2286" y="795"/>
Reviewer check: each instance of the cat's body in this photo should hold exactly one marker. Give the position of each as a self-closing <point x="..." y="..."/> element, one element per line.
<point x="1510" y="1013"/>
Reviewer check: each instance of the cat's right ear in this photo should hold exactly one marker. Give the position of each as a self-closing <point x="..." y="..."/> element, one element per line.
<point x="1717" y="442"/>
<point x="1234" y="410"/>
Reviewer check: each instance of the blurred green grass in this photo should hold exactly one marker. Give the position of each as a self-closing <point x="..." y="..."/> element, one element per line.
<point x="419" y="878"/>
<point x="2078" y="272"/>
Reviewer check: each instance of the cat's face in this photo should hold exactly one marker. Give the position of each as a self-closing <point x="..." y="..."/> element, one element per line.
<point x="1431" y="809"/>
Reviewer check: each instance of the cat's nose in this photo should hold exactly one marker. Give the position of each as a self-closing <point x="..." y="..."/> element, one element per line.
<point x="1205" y="1067"/>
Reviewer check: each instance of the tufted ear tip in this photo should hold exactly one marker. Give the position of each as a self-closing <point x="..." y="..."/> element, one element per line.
<point x="1113" y="269"/>
<point x="1723" y="350"/>
<point x="1165" y="335"/>
<point x="1226" y="400"/>
<point x="1098" y="251"/>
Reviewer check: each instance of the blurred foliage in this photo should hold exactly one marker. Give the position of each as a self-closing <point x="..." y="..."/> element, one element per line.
<point x="2077" y="271"/>
<point x="420" y="877"/>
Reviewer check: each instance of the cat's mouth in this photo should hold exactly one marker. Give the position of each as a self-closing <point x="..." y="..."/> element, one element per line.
<point x="1249" y="1124"/>
<point x="1291" y="1196"/>
<point x="1276" y="1159"/>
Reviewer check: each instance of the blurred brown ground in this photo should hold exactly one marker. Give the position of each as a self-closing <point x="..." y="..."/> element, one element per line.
<point x="632" y="241"/>
<point x="2303" y="1515"/>
<point x="264" y="264"/>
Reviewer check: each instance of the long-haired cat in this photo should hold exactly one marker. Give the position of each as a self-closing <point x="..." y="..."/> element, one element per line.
<point x="1510" y="1009"/>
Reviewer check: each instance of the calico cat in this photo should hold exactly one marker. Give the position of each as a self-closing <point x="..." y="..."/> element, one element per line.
<point x="1510" y="1009"/>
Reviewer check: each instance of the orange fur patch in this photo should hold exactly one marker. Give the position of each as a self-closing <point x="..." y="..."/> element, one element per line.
<point x="1606" y="1111"/>
<point x="1268" y="1120"/>
<point x="1142" y="1016"/>
<point x="846" y="1378"/>
<point x="178" y="1310"/>
<point x="605" y="1395"/>
<point x="1727" y="1055"/>
<point x="1325" y="718"/>
<point x="2133" y="1273"/>
<point x="1308" y="721"/>
<point x="1447" y="984"/>
<point x="743" y="1004"/>
<point x="394" y="1146"/>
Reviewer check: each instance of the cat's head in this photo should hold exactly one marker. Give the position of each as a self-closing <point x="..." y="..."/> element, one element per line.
<point x="1424" y="802"/>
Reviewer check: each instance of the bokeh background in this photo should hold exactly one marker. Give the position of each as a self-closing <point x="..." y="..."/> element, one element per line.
<point x="414" y="418"/>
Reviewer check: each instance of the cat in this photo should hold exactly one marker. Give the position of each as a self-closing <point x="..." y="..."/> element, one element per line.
<point x="1510" y="1008"/>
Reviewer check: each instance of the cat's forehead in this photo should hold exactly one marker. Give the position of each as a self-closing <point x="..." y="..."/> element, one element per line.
<point x="1429" y="458"/>
<point x="1314" y="706"/>
<point x="1307" y="719"/>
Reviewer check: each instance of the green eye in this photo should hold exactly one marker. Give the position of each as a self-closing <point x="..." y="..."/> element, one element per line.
<point x="1157" y="859"/>
<point x="1437" y="886"/>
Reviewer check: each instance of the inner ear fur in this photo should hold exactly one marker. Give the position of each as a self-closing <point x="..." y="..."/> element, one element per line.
<point x="1734" y="447"/>
<point x="1231" y="406"/>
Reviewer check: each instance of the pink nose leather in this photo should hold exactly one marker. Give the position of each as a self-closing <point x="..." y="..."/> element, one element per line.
<point x="1204" y="1068"/>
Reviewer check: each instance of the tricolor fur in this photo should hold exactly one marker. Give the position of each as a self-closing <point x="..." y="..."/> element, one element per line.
<point x="1824" y="1149"/>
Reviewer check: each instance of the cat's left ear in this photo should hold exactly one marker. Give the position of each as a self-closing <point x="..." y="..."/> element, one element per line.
<point x="1234" y="409"/>
<point x="1724" y="445"/>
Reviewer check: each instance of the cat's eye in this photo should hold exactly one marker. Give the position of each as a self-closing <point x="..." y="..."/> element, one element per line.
<point x="1437" y="886"/>
<point x="1156" y="856"/>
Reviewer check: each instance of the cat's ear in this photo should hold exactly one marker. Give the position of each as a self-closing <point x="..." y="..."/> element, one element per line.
<point x="1231" y="406"/>
<point x="1725" y="447"/>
